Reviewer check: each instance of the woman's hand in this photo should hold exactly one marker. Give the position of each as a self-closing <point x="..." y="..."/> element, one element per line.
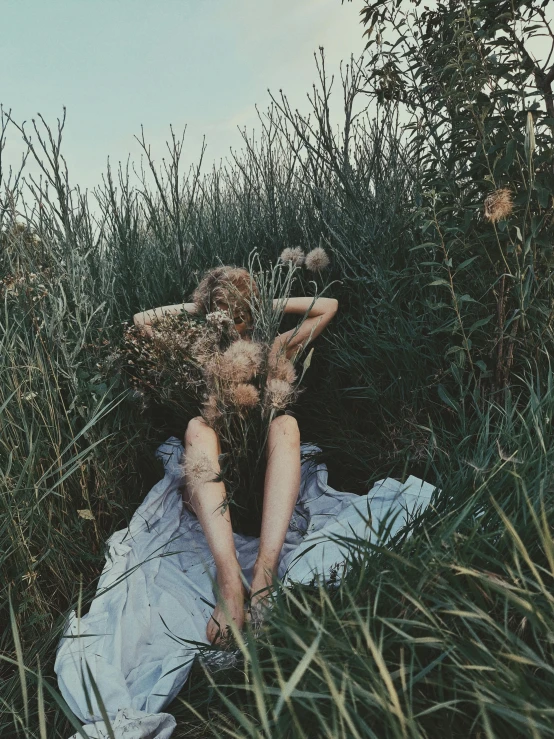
<point x="319" y="313"/>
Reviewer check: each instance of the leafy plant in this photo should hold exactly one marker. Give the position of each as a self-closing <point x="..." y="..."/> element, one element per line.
<point x="480" y="131"/>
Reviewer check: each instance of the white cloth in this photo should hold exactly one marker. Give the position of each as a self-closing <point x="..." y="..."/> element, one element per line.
<point x="155" y="596"/>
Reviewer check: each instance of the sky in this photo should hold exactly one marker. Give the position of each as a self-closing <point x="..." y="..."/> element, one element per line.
<point x="119" y="64"/>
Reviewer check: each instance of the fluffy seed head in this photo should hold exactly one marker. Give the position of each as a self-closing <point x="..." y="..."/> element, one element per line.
<point x="294" y="255"/>
<point x="241" y="361"/>
<point x="210" y="411"/>
<point x="244" y="395"/>
<point x="197" y="468"/>
<point x="317" y="259"/>
<point x="278" y="393"/>
<point x="282" y="369"/>
<point x="498" y="205"/>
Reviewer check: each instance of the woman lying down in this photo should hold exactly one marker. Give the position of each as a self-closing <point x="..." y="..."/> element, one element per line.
<point x="154" y="608"/>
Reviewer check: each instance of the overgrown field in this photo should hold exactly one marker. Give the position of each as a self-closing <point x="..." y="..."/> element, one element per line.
<point x="440" y="233"/>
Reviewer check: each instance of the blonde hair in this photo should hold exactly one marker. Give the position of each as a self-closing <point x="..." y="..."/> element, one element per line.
<point x="234" y="286"/>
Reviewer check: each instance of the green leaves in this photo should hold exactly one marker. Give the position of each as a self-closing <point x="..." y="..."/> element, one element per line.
<point x="440" y="281"/>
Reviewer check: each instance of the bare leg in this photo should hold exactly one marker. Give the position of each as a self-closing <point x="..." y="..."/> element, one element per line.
<point x="204" y="497"/>
<point x="281" y="488"/>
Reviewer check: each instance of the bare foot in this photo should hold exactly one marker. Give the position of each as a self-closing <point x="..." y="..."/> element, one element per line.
<point x="260" y="588"/>
<point x="232" y="593"/>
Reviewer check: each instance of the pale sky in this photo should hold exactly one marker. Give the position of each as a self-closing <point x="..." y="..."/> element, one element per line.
<point x="117" y="64"/>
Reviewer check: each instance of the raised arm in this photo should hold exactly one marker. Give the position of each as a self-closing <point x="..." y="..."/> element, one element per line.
<point x="319" y="316"/>
<point x="144" y="318"/>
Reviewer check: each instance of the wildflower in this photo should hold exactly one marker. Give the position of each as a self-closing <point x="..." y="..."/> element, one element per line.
<point x="317" y="259"/>
<point x="244" y="395"/>
<point x="293" y="255"/>
<point x="278" y="394"/>
<point x="241" y="361"/>
<point x="498" y="205"/>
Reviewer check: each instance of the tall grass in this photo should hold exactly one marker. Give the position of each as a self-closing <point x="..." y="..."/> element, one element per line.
<point x="449" y="630"/>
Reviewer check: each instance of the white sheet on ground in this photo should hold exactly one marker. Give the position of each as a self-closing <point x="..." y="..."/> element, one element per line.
<point x="155" y="591"/>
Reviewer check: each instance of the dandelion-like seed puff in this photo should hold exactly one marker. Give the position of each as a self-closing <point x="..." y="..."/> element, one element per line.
<point x="317" y="259"/>
<point x="197" y="468"/>
<point x="498" y="205"/>
<point x="294" y="255"/>
<point x="244" y="395"/>
<point x="241" y="361"/>
<point x="281" y="368"/>
<point x="278" y="394"/>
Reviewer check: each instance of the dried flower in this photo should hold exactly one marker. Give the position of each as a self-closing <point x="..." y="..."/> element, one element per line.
<point x="244" y="395"/>
<point x="281" y="368"/>
<point x="210" y="410"/>
<point x="498" y="205"/>
<point x="241" y="361"/>
<point x="294" y="255"/>
<point x="218" y="319"/>
<point x="278" y="394"/>
<point x="317" y="259"/>
<point x="197" y="467"/>
<point x="204" y="350"/>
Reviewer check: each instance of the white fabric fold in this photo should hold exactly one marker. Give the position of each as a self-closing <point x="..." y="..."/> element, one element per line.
<point x="131" y="724"/>
<point x="155" y="597"/>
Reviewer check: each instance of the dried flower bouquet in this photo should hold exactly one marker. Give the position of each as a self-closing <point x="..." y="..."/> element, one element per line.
<point x="239" y="385"/>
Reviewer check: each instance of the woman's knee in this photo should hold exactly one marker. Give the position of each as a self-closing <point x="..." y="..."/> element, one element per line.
<point x="285" y="427"/>
<point x="198" y="431"/>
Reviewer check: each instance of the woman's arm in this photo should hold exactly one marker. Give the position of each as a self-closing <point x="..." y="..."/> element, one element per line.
<point x="319" y="316"/>
<point x="144" y="318"/>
